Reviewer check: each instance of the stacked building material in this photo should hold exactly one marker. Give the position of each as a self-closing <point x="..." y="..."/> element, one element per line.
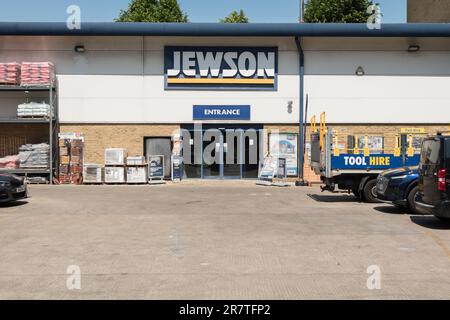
<point x="70" y="161"/>
<point x="37" y="73"/>
<point x="34" y="155"/>
<point x="10" y="73"/>
<point x="92" y="173"/>
<point x="33" y="110"/>
<point x="137" y="174"/>
<point x="114" y="174"/>
<point x="135" y="161"/>
<point x="115" y="165"/>
<point x="115" y="156"/>
<point x="10" y="162"/>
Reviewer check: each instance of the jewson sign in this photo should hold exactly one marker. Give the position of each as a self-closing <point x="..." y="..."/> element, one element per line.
<point x="221" y="67"/>
<point x="221" y="113"/>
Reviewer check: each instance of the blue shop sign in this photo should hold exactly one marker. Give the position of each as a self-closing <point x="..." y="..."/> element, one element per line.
<point x="372" y="162"/>
<point x="216" y="112"/>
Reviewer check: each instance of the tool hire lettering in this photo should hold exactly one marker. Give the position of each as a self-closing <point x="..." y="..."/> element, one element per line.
<point x="363" y="161"/>
<point x="220" y="67"/>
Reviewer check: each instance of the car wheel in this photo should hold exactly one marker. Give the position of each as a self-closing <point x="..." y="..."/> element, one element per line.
<point x="411" y="203"/>
<point x="370" y="191"/>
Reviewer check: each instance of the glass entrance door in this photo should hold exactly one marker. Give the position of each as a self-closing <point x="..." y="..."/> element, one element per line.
<point x="212" y="154"/>
<point x="225" y="152"/>
<point x="232" y="154"/>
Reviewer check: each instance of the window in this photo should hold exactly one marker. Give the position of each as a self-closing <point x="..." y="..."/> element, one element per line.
<point x="430" y="151"/>
<point x="374" y="143"/>
<point x="416" y="142"/>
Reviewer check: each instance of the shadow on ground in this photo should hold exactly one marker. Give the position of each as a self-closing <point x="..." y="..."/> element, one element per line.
<point x="333" y="197"/>
<point x="430" y="222"/>
<point x="13" y="204"/>
<point x="392" y="210"/>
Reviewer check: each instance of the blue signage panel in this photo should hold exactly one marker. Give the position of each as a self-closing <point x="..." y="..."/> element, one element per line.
<point x="221" y="112"/>
<point x="373" y="162"/>
<point x="221" y="68"/>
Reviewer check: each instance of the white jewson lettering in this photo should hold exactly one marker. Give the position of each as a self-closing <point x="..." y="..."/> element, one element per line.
<point x="225" y="64"/>
<point x="176" y="65"/>
<point x="189" y="63"/>
<point x="247" y="64"/>
<point x="266" y="64"/>
<point x="209" y="64"/>
<point x="229" y="58"/>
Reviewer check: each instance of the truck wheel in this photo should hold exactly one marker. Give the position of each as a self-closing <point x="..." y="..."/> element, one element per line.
<point x="370" y="191"/>
<point x="411" y="203"/>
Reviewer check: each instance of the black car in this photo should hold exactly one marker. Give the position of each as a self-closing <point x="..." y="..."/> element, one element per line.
<point x="399" y="186"/>
<point x="434" y="181"/>
<point x="12" y="188"/>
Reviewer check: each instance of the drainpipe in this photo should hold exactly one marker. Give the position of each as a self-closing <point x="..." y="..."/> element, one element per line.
<point x="301" y="55"/>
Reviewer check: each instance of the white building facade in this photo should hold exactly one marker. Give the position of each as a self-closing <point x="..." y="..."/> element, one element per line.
<point x="124" y="89"/>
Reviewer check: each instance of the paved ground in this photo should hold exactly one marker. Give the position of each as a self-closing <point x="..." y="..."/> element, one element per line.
<point x="216" y="240"/>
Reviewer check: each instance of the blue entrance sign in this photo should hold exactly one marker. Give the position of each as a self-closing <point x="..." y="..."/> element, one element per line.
<point x="221" y="112"/>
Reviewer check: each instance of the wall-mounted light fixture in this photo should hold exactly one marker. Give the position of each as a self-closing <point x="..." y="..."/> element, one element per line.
<point x="289" y="106"/>
<point x="413" y="48"/>
<point x="360" y="71"/>
<point x="80" y="49"/>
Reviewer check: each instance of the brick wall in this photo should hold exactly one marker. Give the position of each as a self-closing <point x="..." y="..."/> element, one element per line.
<point x="428" y="11"/>
<point x="98" y="137"/>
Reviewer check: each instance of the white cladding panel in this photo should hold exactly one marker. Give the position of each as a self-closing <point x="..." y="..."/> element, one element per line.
<point x="116" y="82"/>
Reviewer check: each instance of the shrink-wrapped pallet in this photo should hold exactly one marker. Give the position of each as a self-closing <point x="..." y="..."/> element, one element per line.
<point x="135" y="161"/>
<point x="34" y="109"/>
<point x="114" y="175"/>
<point x="10" y="73"/>
<point x="92" y="173"/>
<point x="137" y="175"/>
<point x="115" y="156"/>
<point x="34" y="155"/>
<point x="37" y="73"/>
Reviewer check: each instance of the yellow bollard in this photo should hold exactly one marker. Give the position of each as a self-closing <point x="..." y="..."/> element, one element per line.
<point x="366" y="146"/>
<point x="336" y="145"/>
<point x="397" y="151"/>
<point x="410" y="151"/>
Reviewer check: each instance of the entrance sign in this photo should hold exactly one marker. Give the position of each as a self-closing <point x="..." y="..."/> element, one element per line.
<point x="221" y="113"/>
<point x="221" y="67"/>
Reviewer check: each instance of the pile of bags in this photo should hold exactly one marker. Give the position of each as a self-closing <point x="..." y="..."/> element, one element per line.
<point x="34" y="155"/>
<point x="33" y="109"/>
<point x="9" y="73"/>
<point x="10" y="162"/>
<point x="37" y="73"/>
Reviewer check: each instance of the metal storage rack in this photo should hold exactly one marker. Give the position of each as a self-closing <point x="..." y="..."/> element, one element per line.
<point x="53" y="127"/>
